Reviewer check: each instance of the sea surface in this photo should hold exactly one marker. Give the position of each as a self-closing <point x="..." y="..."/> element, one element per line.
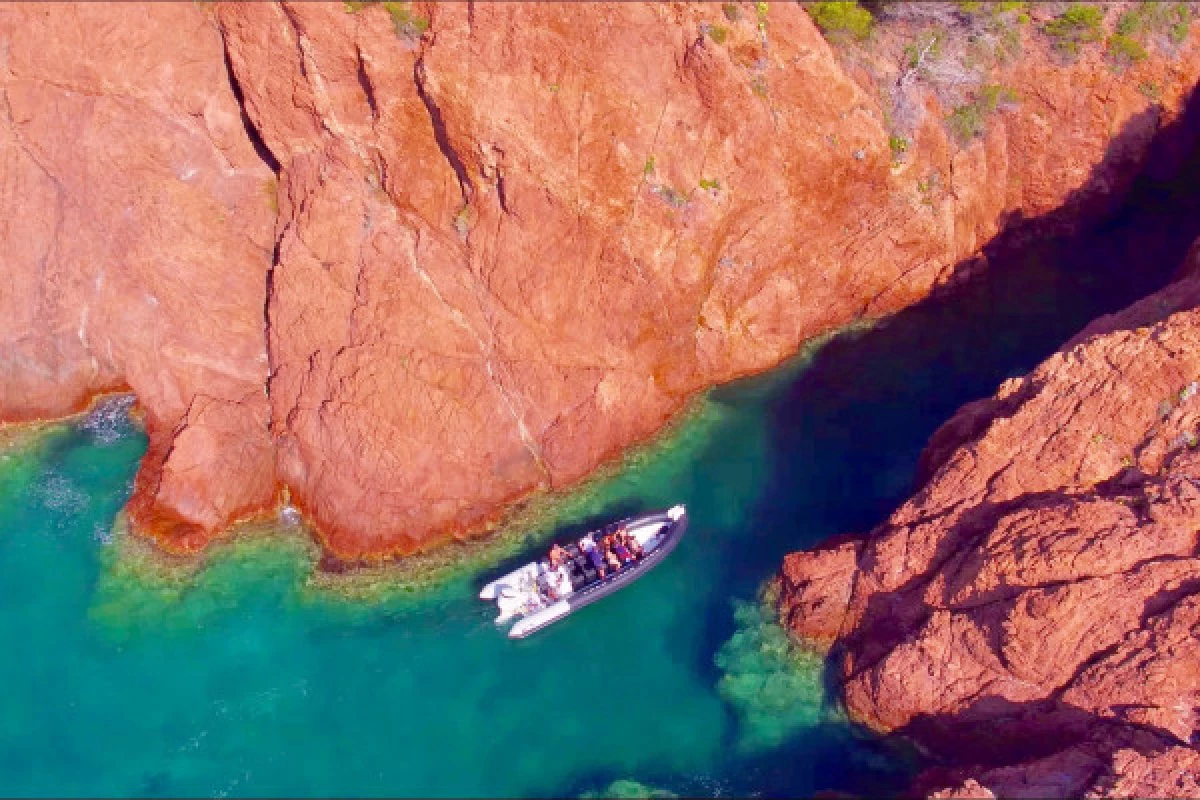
<point x="250" y="673"/>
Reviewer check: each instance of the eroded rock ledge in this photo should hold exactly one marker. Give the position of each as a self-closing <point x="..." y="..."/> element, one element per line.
<point x="413" y="269"/>
<point x="1034" y="609"/>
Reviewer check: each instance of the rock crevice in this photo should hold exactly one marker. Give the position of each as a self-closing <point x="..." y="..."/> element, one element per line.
<point x="612" y="216"/>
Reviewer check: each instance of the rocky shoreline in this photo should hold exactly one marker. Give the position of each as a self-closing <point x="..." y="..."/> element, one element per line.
<point x="412" y="262"/>
<point x="407" y="264"/>
<point x="1031" y="614"/>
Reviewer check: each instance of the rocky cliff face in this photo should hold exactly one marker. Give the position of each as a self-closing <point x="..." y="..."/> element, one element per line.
<point x="1035" y="607"/>
<point x="136" y="235"/>
<point x="413" y="262"/>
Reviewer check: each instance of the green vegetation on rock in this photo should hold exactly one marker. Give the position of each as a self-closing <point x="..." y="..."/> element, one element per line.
<point x="1080" y="24"/>
<point x="970" y="119"/>
<point x="1125" y="50"/>
<point x="1141" y="19"/>
<point x="718" y="33"/>
<point x="928" y="44"/>
<point x="672" y="196"/>
<point x="407" y="24"/>
<point x="841" y="18"/>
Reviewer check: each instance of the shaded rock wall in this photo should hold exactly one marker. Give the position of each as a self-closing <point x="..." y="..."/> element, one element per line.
<point x="1037" y="601"/>
<point x="506" y="246"/>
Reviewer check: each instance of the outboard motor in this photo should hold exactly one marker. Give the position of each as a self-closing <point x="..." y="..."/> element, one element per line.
<point x="509" y="601"/>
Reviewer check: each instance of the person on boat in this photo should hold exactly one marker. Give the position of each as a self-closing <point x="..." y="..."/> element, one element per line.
<point x="588" y="545"/>
<point x="613" y="562"/>
<point x="635" y="547"/>
<point x="621" y="550"/>
<point x="554" y="583"/>
<point x="558" y="556"/>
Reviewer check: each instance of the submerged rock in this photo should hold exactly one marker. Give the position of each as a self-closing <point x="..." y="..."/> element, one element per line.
<point x="773" y="683"/>
<point x="625" y="788"/>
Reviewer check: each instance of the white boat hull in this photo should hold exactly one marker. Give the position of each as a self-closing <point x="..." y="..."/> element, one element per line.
<point x="519" y="594"/>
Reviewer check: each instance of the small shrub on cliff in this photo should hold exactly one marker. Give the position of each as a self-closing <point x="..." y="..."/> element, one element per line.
<point x="406" y="24"/>
<point x="927" y="45"/>
<point x="672" y="196"/>
<point x="1078" y="25"/>
<point x="1125" y="50"/>
<point x="966" y="122"/>
<point x="1137" y="25"/>
<point x="463" y="220"/>
<point x="898" y="145"/>
<point x="718" y="33"/>
<point x="969" y="120"/>
<point x="1171" y="19"/>
<point x="760" y="12"/>
<point x="731" y="12"/>
<point x="841" y="18"/>
<point x="1181" y="22"/>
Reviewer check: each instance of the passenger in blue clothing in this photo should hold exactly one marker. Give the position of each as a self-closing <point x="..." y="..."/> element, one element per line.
<point x="621" y="550"/>
<point x="588" y="545"/>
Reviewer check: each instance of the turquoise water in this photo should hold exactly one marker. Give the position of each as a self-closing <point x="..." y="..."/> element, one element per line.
<point x="249" y="674"/>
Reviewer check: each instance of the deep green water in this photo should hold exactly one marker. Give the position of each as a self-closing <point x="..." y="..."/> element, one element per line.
<point x="247" y="675"/>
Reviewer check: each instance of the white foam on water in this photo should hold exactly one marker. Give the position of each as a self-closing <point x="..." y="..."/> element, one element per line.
<point x="59" y="494"/>
<point x="108" y="422"/>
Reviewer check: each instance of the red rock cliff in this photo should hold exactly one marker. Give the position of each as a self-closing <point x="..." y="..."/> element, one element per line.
<point x="510" y="239"/>
<point x="1035" y="606"/>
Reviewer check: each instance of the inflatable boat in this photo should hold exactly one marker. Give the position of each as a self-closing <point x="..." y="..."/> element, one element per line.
<point x="536" y="595"/>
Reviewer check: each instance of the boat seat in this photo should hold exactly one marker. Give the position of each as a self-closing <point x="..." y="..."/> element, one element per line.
<point x="578" y="579"/>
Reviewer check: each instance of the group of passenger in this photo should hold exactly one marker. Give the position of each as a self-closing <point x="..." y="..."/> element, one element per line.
<point x="613" y="551"/>
<point x="608" y="555"/>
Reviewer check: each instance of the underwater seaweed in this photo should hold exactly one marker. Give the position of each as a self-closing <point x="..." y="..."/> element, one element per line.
<point x="773" y="683"/>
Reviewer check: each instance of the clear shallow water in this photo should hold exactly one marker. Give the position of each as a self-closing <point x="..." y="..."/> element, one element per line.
<point x="245" y="675"/>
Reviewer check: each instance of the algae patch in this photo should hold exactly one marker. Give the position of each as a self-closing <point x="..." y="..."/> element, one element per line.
<point x="630" y="789"/>
<point x="773" y="683"/>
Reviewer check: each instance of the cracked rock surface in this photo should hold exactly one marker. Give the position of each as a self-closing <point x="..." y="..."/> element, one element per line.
<point x="412" y="275"/>
<point x="1035" y="607"/>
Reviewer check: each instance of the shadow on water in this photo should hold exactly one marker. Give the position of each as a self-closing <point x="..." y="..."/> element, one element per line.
<point x="846" y="434"/>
